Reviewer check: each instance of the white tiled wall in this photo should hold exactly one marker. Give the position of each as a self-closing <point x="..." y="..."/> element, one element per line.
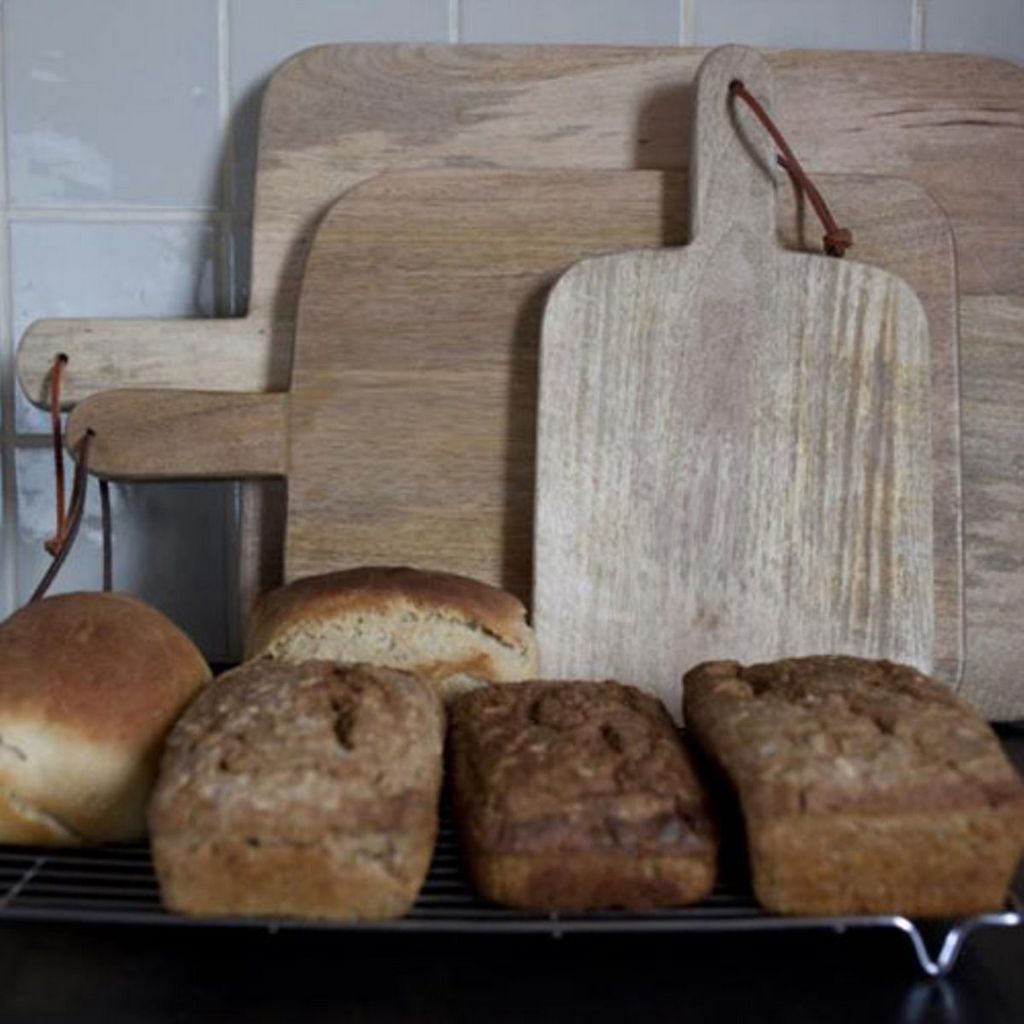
<point x="826" y="24"/>
<point x="107" y="268"/>
<point x="112" y="103"/>
<point x="125" y="189"/>
<point x="654" y="22"/>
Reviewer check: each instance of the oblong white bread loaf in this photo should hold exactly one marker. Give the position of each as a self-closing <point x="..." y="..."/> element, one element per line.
<point x="450" y="629"/>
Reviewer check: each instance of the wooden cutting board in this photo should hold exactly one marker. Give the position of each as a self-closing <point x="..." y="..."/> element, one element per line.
<point x="734" y="449"/>
<point x="414" y="399"/>
<point x="932" y="118"/>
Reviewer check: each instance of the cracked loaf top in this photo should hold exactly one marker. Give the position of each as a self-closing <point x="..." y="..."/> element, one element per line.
<point x="834" y="734"/>
<point x="544" y="767"/>
<point x="297" y="752"/>
<point x="389" y="590"/>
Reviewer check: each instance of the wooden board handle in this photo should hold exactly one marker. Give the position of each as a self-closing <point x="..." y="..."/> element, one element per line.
<point x="732" y="167"/>
<point x="229" y="354"/>
<point x="180" y="435"/>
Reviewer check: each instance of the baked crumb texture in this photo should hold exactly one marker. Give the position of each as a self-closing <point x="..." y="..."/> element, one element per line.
<point x="578" y="795"/>
<point x="455" y="631"/>
<point x="300" y="790"/>
<point x="865" y="786"/>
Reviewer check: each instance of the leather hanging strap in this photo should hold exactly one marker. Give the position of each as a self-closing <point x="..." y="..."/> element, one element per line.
<point x="836" y="240"/>
<point x="56" y="542"/>
<point x="69" y="520"/>
<point x="74" y="517"/>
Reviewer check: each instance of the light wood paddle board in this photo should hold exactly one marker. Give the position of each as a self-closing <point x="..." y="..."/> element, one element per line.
<point x="734" y="441"/>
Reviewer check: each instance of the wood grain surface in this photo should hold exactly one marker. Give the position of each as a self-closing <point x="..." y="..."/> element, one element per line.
<point x="423" y="457"/>
<point x="734" y="455"/>
<point x="994" y="498"/>
<point x="160" y="435"/>
<point x="181" y="354"/>
<point x="933" y="118"/>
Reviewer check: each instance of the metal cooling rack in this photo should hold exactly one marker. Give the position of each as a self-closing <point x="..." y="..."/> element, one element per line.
<point x="116" y="885"/>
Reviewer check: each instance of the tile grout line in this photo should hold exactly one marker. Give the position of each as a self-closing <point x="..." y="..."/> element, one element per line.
<point x="227" y="300"/>
<point x="7" y="436"/>
<point x="687" y="22"/>
<point x="115" y="214"/>
<point x="227" y="168"/>
<point x="918" y="25"/>
<point x="454" y="21"/>
<point x="22" y="439"/>
<point x="918" y="13"/>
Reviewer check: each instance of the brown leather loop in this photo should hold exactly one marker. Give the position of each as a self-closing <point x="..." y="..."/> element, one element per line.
<point x="108" y="547"/>
<point x="74" y="518"/>
<point x="68" y="522"/>
<point x="53" y="545"/>
<point x="836" y="239"/>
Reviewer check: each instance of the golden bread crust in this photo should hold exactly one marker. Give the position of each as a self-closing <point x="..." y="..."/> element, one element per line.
<point x="316" y="771"/>
<point x="865" y="786"/>
<point x="578" y="794"/>
<point x="379" y="588"/>
<point x="90" y="684"/>
<point x="106" y="665"/>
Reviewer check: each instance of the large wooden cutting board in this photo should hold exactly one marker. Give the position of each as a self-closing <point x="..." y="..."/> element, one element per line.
<point x="411" y="435"/>
<point x="734" y="451"/>
<point x="336" y="115"/>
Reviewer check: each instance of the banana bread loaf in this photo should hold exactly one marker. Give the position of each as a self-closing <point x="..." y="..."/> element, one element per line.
<point x="306" y="790"/>
<point x="577" y="795"/>
<point x="865" y="786"/>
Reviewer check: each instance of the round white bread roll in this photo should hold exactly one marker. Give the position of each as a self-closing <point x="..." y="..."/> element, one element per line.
<point x="90" y="684"/>
<point x="455" y="631"/>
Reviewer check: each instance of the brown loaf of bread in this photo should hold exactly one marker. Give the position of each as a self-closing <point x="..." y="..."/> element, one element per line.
<point x="450" y="629"/>
<point x="865" y="786"/>
<point x="305" y="790"/>
<point x="578" y="795"/>
<point x="90" y="684"/>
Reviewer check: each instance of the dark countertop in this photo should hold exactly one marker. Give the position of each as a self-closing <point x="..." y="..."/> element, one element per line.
<point x="118" y="974"/>
<point x="113" y="974"/>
